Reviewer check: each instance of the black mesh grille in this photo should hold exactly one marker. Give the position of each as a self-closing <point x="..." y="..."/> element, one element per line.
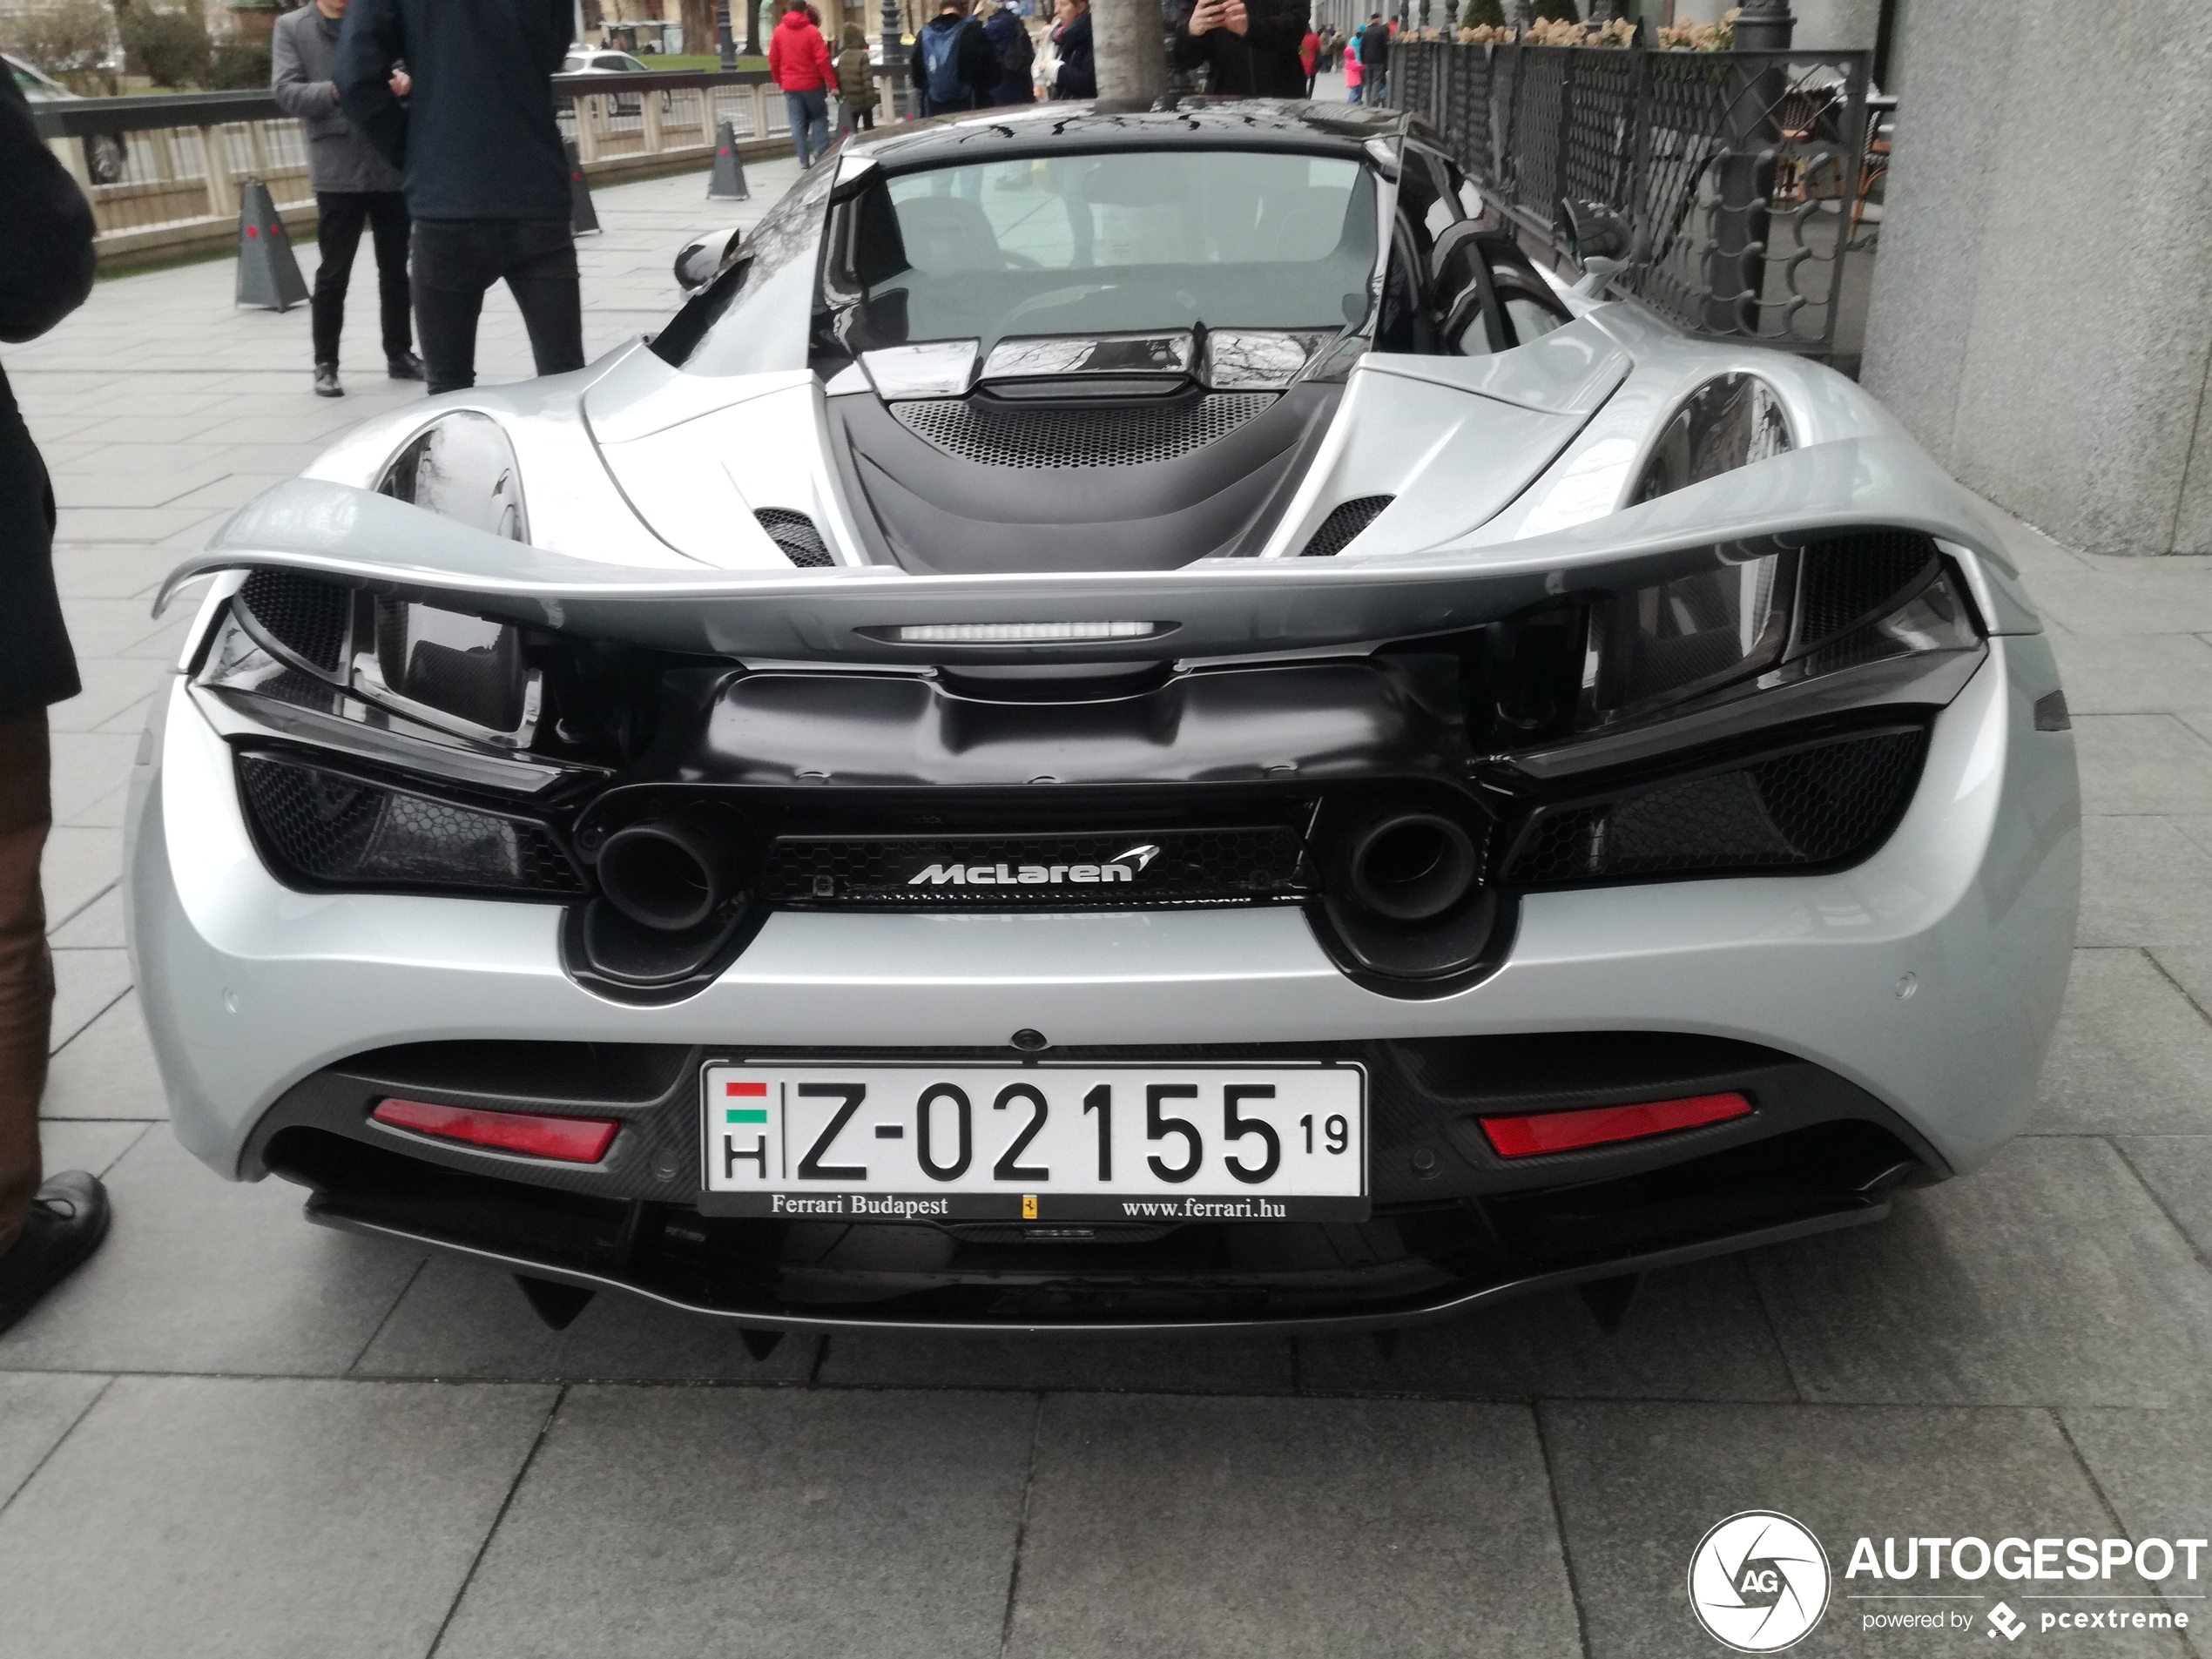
<point x="1854" y="578"/>
<point x="306" y="616"/>
<point x="1340" y="526"/>
<point x="1822" y="804"/>
<point x="795" y="533"/>
<point x="339" y="831"/>
<point x="1185" y="866"/>
<point x="1078" y="438"/>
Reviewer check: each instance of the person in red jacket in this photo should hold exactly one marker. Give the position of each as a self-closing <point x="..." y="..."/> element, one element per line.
<point x="1309" y="53"/>
<point x="798" y="61"/>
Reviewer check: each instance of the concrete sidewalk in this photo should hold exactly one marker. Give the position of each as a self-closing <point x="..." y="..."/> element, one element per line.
<point x="236" y="1435"/>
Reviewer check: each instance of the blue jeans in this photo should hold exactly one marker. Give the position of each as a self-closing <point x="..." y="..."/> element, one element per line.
<point x="809" y="114"/>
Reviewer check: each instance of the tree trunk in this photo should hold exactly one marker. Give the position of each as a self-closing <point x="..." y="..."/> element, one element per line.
<point x="751" y="27"/>
<point x="1126" y="39"/>
<point x="698" y="18"/>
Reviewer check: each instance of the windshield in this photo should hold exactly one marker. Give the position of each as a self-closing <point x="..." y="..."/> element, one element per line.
<point x="1144" y="239"/>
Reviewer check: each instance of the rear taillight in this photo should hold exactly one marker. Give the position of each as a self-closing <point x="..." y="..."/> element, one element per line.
<point x="572" y="1140"/>
<point x="1541" y="1132"/>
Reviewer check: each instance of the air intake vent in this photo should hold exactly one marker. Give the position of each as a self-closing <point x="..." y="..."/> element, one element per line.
<point x="795" y="533"/>
<point x="1826" y="803"/>
<point x="1128" y="870"/>
<point x="304" y="615"/>
<point x="1853" y="579"/>
<point x="1128" y="437"/>
<point x="1339" y="527"/>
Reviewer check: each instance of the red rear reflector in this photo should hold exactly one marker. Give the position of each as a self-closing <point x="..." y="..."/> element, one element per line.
<point x="573" y="1140"/>
<point x="1525" y="1137"/>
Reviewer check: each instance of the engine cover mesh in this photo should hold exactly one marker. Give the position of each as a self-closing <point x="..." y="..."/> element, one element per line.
<point x="1112" y="437"/>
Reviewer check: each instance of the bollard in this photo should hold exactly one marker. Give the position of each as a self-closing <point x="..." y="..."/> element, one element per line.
<point x="726" y="182"/>
<point x="267" y="275"/>
<point x="582" y="216"/>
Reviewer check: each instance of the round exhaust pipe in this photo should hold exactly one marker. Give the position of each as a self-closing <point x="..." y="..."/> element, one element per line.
<point x="1410" y="866"/>
<point x="671" y="874"/>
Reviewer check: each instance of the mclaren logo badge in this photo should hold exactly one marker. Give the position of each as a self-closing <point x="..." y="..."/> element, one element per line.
<point x="1125" y="867"/>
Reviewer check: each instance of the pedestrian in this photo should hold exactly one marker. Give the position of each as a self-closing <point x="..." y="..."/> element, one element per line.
<point x="1077" y="76"/>
<point x="798" y="61"/>
<point x="1250" y="48"/>
<point x="47" y="1226"/>
<point x="953" y="66"/>
<point x="353" y="186"/>
<point x="1373" y="43"/>
<point x="1016" y="54"/>
<point x="1309" y="55"/>
<point x="1352" y="72"/>
<point x="856" y="82"/>
<point x="487" y="175"/>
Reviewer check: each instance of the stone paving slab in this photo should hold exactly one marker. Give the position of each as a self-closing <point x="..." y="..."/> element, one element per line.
<point x="1201" y="1364"/>
<point x="188" y="1516"/>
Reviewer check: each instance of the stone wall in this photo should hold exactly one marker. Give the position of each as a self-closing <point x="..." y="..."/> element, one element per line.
<point x="2041" y="317"/>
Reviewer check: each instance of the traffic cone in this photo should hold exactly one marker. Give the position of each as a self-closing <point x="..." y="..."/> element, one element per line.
<point x="267" y="275"/>
<point x="726" y="182"/>
<point x="582" y="216"/>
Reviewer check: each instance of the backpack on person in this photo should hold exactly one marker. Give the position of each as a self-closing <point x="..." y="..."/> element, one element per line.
<point x="940" y="67"/>
<point x="1020" y="53"/>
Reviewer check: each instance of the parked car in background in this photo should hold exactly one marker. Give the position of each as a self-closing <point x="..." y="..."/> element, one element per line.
<point x="106" y="157"/>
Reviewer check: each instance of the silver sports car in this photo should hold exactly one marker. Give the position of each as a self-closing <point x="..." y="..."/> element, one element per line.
<point x="1127" y="720"/>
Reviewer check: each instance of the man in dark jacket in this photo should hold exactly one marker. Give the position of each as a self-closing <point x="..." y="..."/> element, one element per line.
<point x="1373" y="43"/>
<point x="1077" y="76"/>
<point x="45" y="272"/>
<point x="952" y="65"/>
<point x="1250" y="47"/>
<point x="487" y="177"/>
<point x="353" y="186"/>
<point x="1011" y="47"/>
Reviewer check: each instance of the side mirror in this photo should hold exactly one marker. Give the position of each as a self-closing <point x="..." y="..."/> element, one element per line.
<point x="699" y="263"/>
<point x="1599" y="240"/>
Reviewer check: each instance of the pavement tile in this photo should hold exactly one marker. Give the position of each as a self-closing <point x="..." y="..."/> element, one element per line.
<point x="75" y="490"/>
<point x="2155" y="673"/>
<point x="107" y="1071"/>
<point x="78" y="865"/>
<point x="2130" y="1054"/>
<point x="87" y="984"/>
<point x="233" y="1518"/>
<point x="764" y="1521"/>
<point x="112" y="685"/>
<point x="2142" y="763"/>
<point x="139" y="525"/>
<point x="66" y="1144"/>
<point x="1639" y="1486"/>
<point x="2125" y="603"/>
<point x="87" y="766"/>
<point x="1191" y="1527"/>
<point x="35" y="1411"/>
<point x="202" y="1275"/>
<point x="2050" y="1277"/>
<point x="106" y="627"/>
<point x="91" y="572"/>
<point x="1189" y="1364"/>
<point x="2152" y="1469"/>
<point x="2144" y="881"/>
<point x="1693" y="1332"/>
<point x="107" y="813"/>
<point x="2178" y="1171"/>
<point x="99" y="926"/>
<point x="462" y="1318"/>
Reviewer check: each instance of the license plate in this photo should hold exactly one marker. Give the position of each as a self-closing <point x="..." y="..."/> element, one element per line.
<point x="1043" y="1142"/>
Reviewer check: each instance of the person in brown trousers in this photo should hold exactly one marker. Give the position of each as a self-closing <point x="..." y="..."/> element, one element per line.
<point x="46" y="263"/>
<point x="856" y="82"/>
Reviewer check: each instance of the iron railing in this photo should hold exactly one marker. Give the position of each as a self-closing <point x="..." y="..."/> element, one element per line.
<point x="164" y="171"/>
<point x="1743" y="177"/>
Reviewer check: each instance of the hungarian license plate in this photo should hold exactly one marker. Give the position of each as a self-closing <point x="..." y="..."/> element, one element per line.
<point x="1053" y="1141"/>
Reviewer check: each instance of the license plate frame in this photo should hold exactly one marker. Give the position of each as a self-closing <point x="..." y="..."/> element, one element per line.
<point x="1312" y="1105"/>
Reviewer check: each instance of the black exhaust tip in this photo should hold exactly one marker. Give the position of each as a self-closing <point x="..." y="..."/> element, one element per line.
<point x="669" y="873"/>
<point x="1409" y="866"/>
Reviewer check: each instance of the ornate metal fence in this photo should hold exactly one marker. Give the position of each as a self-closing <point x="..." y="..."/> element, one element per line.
<point x="1744" y="176"/>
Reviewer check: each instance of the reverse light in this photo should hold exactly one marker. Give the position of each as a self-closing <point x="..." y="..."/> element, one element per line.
<point x="570" y="1140"/>
<point x="1541" y="1132"/>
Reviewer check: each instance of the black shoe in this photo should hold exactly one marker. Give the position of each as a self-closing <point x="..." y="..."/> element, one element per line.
<point x="406" y="366"/>
<point x="64" y="1224"/>
<point x="327" y="380"/>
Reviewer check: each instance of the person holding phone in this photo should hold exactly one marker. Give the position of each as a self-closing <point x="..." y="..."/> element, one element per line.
<point x="1250" y="48"/>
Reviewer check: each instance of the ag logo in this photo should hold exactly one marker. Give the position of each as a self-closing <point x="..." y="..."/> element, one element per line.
<point x="1759" y="1582"/>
